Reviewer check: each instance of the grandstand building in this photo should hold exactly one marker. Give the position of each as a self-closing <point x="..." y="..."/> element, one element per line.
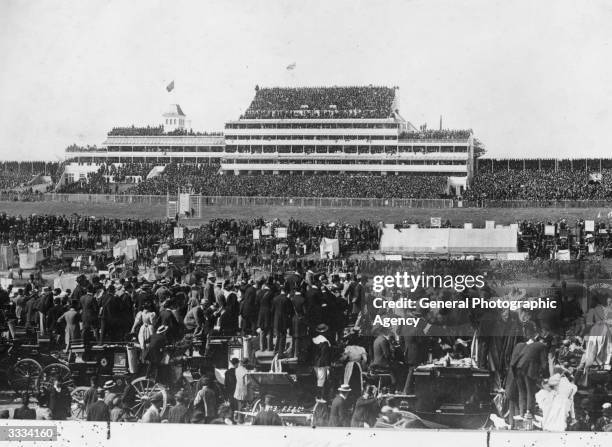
<point x="305" y="131"/>
<point x="354" y="130"/>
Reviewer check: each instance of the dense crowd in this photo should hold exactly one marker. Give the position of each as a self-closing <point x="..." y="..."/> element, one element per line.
<point x="540" y="185"/>
<point x="443" y="134"/>
<point x="322" y="320"/>
<point x="322" y="102"/>
<point x="15" y="174"/>
<point x="156" y="131"/>
<point x="203" y="180"/>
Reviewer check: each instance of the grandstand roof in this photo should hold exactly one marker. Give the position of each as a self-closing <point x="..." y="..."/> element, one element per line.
<point x="365" y="98"/>
<point x="174" y="110"/>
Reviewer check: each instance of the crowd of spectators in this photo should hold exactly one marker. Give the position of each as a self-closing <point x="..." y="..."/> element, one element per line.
<point x="443" y="134"/>
<point x="15" y="174"/>
<point x="322" y="102"/>
<point x="540" y="185"/>
<point x="202" y="180"/>
<point x="317" y="313"/>
<point x="156" y="131"/>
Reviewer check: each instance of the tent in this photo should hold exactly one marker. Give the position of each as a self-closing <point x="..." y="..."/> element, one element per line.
<point x="127" y="247"/>
<point x="30" y="257"/>
<point x="449" y="240"/>
<point x="330" y="248"/>
<point x="7" y="258"/>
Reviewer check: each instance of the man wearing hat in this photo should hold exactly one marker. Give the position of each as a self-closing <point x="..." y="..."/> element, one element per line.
<point x="299" y="326"/>
<point x="314" y="300"/>
<point x="339" y="413"/>
<point x="154" y="352"/>
<point x="205" y="403"/>
<point x="230" y="382"/>
<point x="99" y="411"/>
<point x="153" y="413"/>
<point x="249" y="309"/>
<point x="90" y="315"/>
<point x="209" y="287"/>
<point x="109" y="392"/>
<point x="178" y="414"/>
<point x="45" y="303"/>
<point x="264" y="317"/>
<point x="321" y="358"/>
<point x="281" y="319"/>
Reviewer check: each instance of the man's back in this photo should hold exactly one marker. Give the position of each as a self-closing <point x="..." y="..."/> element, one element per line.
<point x="98" y="411"/>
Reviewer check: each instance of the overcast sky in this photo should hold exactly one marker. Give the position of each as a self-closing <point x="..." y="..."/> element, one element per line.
<point x="532" y="78"/>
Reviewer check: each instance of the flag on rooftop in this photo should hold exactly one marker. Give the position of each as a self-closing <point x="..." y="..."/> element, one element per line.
<point x="170" y="86"/>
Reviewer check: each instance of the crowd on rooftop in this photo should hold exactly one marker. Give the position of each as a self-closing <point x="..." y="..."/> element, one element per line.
<point x="322" y="102"/>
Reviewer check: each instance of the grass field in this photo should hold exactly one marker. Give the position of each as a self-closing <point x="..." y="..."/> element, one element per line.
<point x="311" y="214"/>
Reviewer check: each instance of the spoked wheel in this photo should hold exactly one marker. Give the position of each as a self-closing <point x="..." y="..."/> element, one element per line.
<point x="23" y="376"/>
<point x="77" y="406"/>
<point x="145" y="389"/>
<point x="53" y="371"/>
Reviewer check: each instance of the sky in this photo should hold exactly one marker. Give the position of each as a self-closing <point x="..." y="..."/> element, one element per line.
<point x="531" y="78"/>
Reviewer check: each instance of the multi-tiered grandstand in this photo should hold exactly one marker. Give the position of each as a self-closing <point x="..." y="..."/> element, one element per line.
<point x="313" y="130"/>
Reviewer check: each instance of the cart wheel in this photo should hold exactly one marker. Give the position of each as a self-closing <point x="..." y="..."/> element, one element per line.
<point x="23" y="375"/>
<point x="50" y="372"/>
<point x="77" y="406"/>
<point x="145" y="389"/>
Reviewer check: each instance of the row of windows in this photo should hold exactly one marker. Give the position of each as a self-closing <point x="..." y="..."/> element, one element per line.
<point x="348" y="162"/>
<point x="306" y="125"/>
<point x="311" y="137"/>
<point x="172" y="149"/>
<point x="343" y="149"/>
<point x="86" y="161"/>
<point x="181" y="121"/>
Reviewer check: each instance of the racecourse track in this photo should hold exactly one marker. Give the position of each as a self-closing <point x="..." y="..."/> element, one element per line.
<point x="310" y="214"/>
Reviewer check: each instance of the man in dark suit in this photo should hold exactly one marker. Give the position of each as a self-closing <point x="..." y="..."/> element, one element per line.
<point x="167" y="318"/>
<point x="267" y="416"/>
<point x="230" y="383"/>
<point x="89" y="314"/>
<point x="339" y="412"/>
<point x="530" y="366"/>
<point x="314" y="300"/>
<point x="264" y="317"/>
<point x="98" y="411"/>
<point x="249" y="309"/>
<point x="281" y="318"/>
<point x="299" y="326"/>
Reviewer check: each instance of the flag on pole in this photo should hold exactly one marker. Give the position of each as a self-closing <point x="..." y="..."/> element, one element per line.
<point x="170" y="86"/>
<point x="291" y="66"/>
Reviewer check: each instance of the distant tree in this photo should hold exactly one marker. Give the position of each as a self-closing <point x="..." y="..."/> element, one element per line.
<point x="479" y="148"/>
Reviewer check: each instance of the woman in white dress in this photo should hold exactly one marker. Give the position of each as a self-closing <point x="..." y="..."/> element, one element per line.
<point x="146" y="320"/>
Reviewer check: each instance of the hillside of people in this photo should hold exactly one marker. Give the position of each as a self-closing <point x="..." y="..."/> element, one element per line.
<point x="18" y="174"/>
<point x="321" y="102"/>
